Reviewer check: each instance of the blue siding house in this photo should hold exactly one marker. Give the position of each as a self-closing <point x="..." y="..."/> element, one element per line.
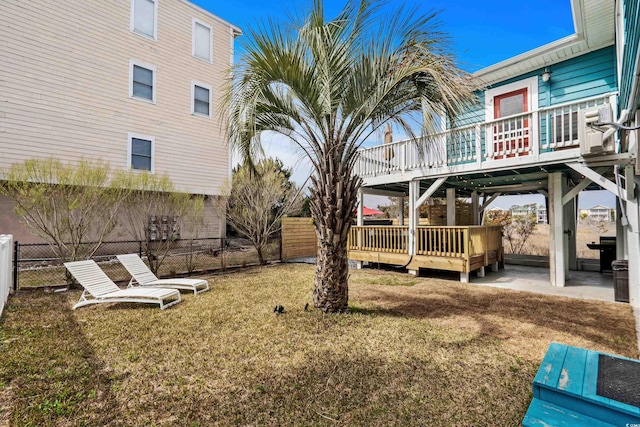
<point x="555" y="121"/>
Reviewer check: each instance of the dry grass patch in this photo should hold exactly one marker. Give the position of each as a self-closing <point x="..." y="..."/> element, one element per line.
<point x="412" y="352"/>
<point x="538" y="243"/>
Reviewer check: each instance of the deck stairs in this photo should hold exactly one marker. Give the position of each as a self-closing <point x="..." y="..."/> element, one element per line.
<point x="565" y="392"/>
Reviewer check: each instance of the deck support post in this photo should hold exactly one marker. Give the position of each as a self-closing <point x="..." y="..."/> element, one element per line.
<point x="414" y="192"/>
<point x="556" y="232"/>
<point x="464" y="277"/>
<point x="360" y="221"/>
<point x="475" y="208"/>
<point x="400" y="202"/>
<point x="569" y="225"/>
<point x="451" y="207"/>
<point x="621" y="233"/>
<point x="495" y="266"/>
<point x="633" y="237"/>
<point x="481" y="272"/>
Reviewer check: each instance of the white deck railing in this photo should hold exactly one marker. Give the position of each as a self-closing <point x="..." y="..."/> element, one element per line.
<point x="559" y="124"/>
<point x="6" y="266"/>
<point x="523" y="135"/>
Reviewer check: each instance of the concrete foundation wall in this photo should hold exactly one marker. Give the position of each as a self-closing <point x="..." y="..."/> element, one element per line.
<point x="584" y="264"/>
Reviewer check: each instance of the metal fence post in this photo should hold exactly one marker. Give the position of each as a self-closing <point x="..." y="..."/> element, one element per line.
<point x="140" y="249"/>
<point x="16" y="254"/>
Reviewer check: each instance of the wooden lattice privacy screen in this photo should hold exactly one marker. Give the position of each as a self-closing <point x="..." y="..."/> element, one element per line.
<point x="438" y="214"/>
<point x="298" y="238"/>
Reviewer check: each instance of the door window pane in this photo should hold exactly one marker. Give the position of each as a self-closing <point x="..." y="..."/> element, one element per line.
<point x="512" y="105"/>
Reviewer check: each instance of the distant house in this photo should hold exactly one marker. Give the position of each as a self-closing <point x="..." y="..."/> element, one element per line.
<point x="540" y="212"/>
<point x="598" y="213"/>
<point x="518" y="211"/>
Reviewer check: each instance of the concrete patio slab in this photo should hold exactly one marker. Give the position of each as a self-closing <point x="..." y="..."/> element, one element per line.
<point x="580" y="284"/>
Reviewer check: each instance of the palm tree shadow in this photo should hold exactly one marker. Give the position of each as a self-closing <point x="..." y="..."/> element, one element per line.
<point x="495" y="310"/>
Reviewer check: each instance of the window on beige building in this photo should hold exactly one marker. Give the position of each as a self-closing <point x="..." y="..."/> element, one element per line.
<point x="143" y="81"/>
<point x="144" y="17"/>
<point x="141" y="150"/>
<point x="202" y="40"/>
<point x="201" y="95"/>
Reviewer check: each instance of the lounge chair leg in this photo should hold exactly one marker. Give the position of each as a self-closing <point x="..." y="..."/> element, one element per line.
<point x="481" y="272"/>
<point x="358" y="265"/>
<point x="464" y="277"/>
<point x="413" y="272"/>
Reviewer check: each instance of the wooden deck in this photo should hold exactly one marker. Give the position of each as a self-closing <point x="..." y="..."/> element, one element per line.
<point x="461" y="248"/>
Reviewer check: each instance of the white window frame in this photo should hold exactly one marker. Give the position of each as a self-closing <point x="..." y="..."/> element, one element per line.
<point x="130" y="137"/>
<point x="155" y="21"/>
<point x="193" y="40"/>
<point x="152" y="68"/>
<point x="193" y="98"/>
<point x="531" y="84"/>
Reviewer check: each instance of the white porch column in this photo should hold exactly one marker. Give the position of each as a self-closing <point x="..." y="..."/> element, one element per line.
<point x="400" y="202"/>
<point x="414" y="193"/>
<point x="556" y="234"/>
<point x="475" y="208"/>
<point x="633" y="237"/>
<point x="621" y="233"/>
<point x="360" y="221"/>
<point x="451" y="206"/>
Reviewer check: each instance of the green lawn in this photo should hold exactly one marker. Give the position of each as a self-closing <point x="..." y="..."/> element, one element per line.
<point x="412" y="352"/>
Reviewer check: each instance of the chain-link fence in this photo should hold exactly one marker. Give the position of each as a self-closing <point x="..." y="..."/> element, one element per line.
<point x="38" y="264"/>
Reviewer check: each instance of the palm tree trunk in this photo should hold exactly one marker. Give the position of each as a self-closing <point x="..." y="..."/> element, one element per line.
<point x="330" y="287"/>
<point x="333" y="201"/>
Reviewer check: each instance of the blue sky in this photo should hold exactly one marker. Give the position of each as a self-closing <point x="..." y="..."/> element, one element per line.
<point x="482" y="33"/>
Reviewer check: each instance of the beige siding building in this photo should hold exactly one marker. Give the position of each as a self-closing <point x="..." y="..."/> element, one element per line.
<point x="135" y="83"/>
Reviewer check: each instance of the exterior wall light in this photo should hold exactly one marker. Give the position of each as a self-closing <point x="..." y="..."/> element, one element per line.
<point x="546" y="75"/>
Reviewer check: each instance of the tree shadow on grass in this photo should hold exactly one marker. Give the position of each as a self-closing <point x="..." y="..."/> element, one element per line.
<point x="49" y="368"/>
<point x="369" y="388"/>
<point x="499" y="311"/>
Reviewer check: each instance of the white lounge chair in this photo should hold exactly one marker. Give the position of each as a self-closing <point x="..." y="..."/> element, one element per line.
<point x="98" y="288"/>
<point x="143" y="276"/>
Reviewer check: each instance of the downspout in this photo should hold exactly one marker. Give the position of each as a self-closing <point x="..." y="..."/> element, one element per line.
<point x="634" y="84"/>
<point x="615" y="125"/>
<point x="624" y="114"/>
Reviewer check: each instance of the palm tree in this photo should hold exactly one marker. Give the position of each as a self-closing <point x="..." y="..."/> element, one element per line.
<point x="328" y="86"/>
